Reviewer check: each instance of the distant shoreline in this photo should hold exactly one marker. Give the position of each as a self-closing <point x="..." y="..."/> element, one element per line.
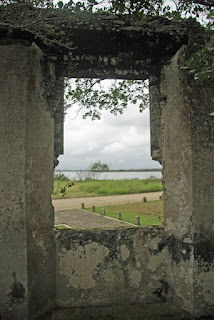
<point x="119" y="170"/>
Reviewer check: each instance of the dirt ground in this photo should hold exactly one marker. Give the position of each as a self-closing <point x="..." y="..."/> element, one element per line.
<point x="75" y="203"/>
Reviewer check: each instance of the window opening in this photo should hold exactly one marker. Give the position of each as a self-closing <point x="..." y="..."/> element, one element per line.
<point x="122" y="143"/>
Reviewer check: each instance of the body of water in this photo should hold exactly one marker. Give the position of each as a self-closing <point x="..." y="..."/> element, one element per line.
<point x="82" y="175"/>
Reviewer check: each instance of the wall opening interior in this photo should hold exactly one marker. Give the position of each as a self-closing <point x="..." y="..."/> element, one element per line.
<point x="122" y="142"/>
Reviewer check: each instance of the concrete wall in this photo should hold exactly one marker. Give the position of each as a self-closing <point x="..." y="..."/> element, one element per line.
<point x="26" y="178"/>
<point x="120" y="268"/>
<point x="188" y="181"/>
<point x="156" y="102"/>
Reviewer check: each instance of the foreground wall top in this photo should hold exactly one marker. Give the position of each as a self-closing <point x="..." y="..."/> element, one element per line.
<point x="101" y="45"/>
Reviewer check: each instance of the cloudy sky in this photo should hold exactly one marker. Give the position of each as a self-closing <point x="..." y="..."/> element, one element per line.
<point x="123" y="141"/>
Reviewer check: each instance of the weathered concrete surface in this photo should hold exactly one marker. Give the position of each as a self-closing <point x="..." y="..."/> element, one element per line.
<point x="188" y="180"/>
<point x="154" y="311"/>
<point x="75" y="203"/>
<point x="26" y="169"/>
<point x="117" y="47"/>
<point x="111" y="267"/>
<point x="156" y="103"/>
<point x="13" y="263"/>
<point x="83" y="220"/>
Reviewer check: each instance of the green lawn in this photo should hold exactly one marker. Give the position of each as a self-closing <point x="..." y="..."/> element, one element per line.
<point x="89" y="187"/>
<point x="150" y="213"/>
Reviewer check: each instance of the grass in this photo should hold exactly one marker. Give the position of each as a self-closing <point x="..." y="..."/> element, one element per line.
<point x="89" y="187"/>
<point x="150" y="213"/>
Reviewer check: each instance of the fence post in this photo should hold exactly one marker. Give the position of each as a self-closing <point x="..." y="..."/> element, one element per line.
<point x="104" y="212"/>
<point x="119" y="215"/>
<point x="138" y="221"/>
<point x="82" y="206"/>
<point x="144" y="199"/>
<point x="93" y="208"/>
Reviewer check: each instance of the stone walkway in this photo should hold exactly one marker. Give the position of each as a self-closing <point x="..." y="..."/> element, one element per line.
<point x="81" y="219"/>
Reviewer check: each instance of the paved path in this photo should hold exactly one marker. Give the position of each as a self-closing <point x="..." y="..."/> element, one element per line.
<point x="75" y="203"/>
<point x="82" y="220"/>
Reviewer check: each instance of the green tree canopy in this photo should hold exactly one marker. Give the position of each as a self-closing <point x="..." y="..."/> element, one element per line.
<point x="98" y="166"/>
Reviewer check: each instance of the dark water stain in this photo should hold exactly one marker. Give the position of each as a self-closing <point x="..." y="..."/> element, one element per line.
<point x="18" y="291"/>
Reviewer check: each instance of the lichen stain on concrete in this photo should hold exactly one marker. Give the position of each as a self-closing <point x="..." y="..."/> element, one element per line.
<point x="125" y="253"/>
<point x="79" y="266"/>
<point x="155" y="262"/>
<point x="208" y="292"/>
<point x="112" y="278"/>
<point x="134" y="278"/>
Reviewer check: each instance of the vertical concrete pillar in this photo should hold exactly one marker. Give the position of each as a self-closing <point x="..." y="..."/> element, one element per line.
<point x="27" y="264"/>
<point x="188" y="180"/>
<point x="156" y="105"/>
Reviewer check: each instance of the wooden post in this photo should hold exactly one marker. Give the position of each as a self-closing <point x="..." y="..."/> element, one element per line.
<point x="93" y="208"/>
<point x="104" y="212"/>
<point x="160" y="198"/>
<point x="144" y="199"/>
<point x="119" y="215"/>
<point x="82" y="206"/>
<point x="138" y="221"/>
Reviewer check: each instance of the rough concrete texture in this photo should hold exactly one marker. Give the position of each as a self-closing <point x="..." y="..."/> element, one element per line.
<point x="188" y="171"/>
<point x="156" y="105"/>
<point x="117" y="47"/>
<point x="154" y="311"/>
<point x="110" y="267"/>
<point x="26" y="130"/>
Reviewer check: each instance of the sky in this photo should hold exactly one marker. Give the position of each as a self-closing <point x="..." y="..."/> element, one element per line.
<point x="123" y="141"/>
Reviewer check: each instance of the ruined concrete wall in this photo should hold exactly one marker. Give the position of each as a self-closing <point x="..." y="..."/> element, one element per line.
<point x="13" y="262"/>
<point x="27" y="158"/>
<point x="120" y="267"/>
<point x="156" y="103"/>
<point x="39" y="163"/>
<point x="188" y="180"/>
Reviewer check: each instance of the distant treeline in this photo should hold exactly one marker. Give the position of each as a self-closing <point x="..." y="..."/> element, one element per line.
<point x="119" y="170"/>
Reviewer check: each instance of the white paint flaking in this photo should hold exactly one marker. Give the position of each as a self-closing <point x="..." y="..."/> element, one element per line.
<point x="134" y="278"/>
<point x="79" y="265"/>
<point x="125" y="253"/>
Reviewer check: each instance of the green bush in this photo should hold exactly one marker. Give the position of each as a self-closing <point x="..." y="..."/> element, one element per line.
<point x="60" y="177"/>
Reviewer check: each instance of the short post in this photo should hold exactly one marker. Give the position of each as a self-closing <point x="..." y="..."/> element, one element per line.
<point x="138" y="221"/>
<point x="104" y="211"/>
<point x="82" y="206"/>
<point x="93" y="208"/>
<point x="160" y="198"/>
<point x="119" y="215"/>
<point x="144" y="199"/>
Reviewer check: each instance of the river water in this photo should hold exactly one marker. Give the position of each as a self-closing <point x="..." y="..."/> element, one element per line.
<point x="81" y="175"/>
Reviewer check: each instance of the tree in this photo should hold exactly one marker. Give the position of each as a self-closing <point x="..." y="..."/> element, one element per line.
<point x="97" y="167"/>
<point x="92" y="96"/>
